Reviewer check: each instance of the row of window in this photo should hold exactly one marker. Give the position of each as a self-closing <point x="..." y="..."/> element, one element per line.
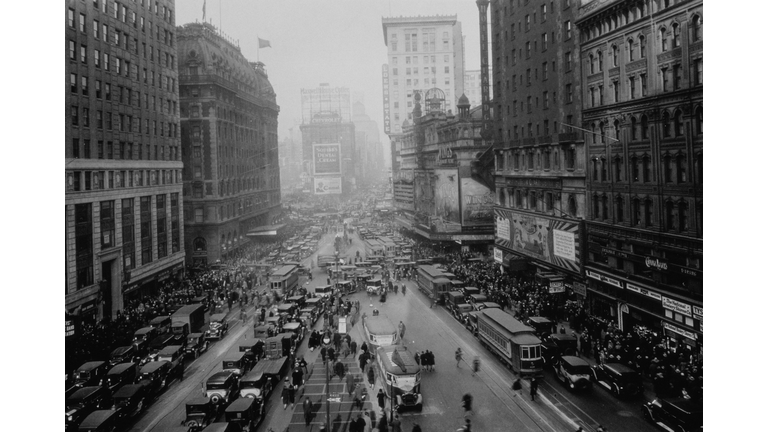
<point x="79" y="181"/>
<point x="84" y="247"/>
<point x="529" y="160"/>
<point x="121" y="13"/>
<point x="81" y="117"/>
<point x="538" y="201"/>
<point x="427" y="39"/>
<point x="121" y="150"/>
<point x="674" y="169"/>
<point x="528" y="131"/>
<point x="672" y="126"/>
<point x="609" y="22"/>
<point x="124" y="95"/>
<point x="446" y="69"/>
<point x="415" y="59"/>
<point x="676" y="213"/>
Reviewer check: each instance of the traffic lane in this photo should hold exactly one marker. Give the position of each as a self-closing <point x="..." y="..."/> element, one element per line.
<point x="495" y="409"/>
<point x="168" y="410"/>
<point x="597" y="406"/>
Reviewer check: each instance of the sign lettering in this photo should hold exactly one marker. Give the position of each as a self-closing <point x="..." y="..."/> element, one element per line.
<point x="676" y="306"/>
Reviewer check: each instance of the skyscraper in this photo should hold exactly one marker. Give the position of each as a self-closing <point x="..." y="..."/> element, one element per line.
<point x="123" y="166"/>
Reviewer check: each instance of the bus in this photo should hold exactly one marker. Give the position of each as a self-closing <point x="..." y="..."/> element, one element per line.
<point x="379" y="331"/>
<point x="513" y="342"/>
<point x="400" y="376"/>
<point x="432" y="282"/>
<point x="285" y="278"/>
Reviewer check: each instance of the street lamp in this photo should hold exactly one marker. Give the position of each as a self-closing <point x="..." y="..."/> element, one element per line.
<point x="326" y="344"/>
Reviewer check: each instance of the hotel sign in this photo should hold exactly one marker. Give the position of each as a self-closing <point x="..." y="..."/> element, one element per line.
<point x="385" y="89"/>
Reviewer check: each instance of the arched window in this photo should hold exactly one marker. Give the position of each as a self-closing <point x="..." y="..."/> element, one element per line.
<point x="615" y="55"/>
<point x="680" y="169"/>
<point x="641" y="41"/>
<point x="678" y="123"/>
<point x="665" y="125"/>
<point x="595" y="207"/>
<point x="591" y="64"/>
<point x="682" y="216"/>
<point x="644" y="126"/>
<point x="603" y="169"/>
<point x="602" y="132"/>
<point x="599" y="61"/>
<point x="605" y="207"/>
<point x="646" y="169"/>
<point x="633" y="121"/>
<point x="696" y="27"/>
<point x="663" y="36"/>
<point x="675" y="35"/>
<point x="631" y="49"/>
<point x="572" y="209"/>
<point x="619" y="209"/>
<point x="636" y="212"/>
<point x="668" y="172"/>
<point x="635" y="163"/>
<point x="648" y="212"/>
<point x="618" y="174"/>
<point x="199" y="244"/>
<point x="669" y="215"/>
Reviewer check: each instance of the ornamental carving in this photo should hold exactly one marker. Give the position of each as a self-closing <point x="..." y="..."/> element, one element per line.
<point x="636" y="65"/>
<point x="669" y="55"/>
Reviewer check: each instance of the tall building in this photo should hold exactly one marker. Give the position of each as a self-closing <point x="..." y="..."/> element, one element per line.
<point x="473" y="88"/>
<point x="641" y="66"/>
<point x="229" y="136"/>
<point x="291" y="174"/>
<point x="539" y="149"/>
<point x="370" y="151"/>
<point x="328" y="140"/>
<point x="123" y="165"/>
<point x="424" y="52"/>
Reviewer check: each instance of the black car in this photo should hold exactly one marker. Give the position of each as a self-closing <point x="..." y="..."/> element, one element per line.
<point x="573" y="372"/>
<point x="200" y="413"/>
<point x="221" y="388"/>
<point x="618" y="378"/>
<point x="678" y="414"/>
<point x="120" y="375"/>
<point x="90" y="373"/>
<point x="196" y="345"/>
<point x="130" y="400"/>
<point x="124" y="354"/>
<point x="154" y="375"/>
<point x="100" y="421"/>
<point x="556" y="345"/>
<point x="83" y="402"/>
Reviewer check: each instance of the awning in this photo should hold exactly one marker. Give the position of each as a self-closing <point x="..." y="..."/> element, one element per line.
<point x="265" y="230"/>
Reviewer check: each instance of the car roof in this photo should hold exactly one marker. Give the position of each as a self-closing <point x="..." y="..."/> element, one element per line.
<point x="83" y="393"/>
<point x="199" y="401"/>
<point x="89" y="366"/>
<point x="153" y="366"/>
<point x="537" y="319"/>
<point x="122" y="349"/>
<point x="128" y="390"/>
<point x="574" y="361"/>
<point x="561" y="337"/>
<point x="220" y="376"/>
<point x="97" y="418"/>
<point x="197" y="335"/>
<point x="120" y="368"/>
<point x="686" y="405"/>
<point x="240" y="404"/>
<point x="252" y="376"/>
<point x="170" y="349"/>
<point x="143" y="330"/>
<point x="619" y="368"/>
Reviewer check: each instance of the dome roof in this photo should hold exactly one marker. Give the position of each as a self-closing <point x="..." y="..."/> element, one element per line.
<point x="463" y="101"/>
<point x="406" y="123"/>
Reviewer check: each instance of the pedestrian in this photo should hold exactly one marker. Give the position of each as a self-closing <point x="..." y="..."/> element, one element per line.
<point x="466" y="403"/>
<point x="298" y="377"/>
<point x="368" y="423"/>
<point x="358" y="396"/>
<point x="307" y="411"/>
<point x="417" y="357"/>
<point x="331" y="354"/>
<point x="383" y="427"/>
<point x="361" y="423"/>
<point x="345" y="348"/>
<point x="396" y="424"/>
<point x="371" y="376"/>
<point x="458" y="356"/>
<point x="403" y="288"/>
<point x="467" y="426"/>
<point x="517" y="388"/>
<point x="401" y="327"/>
<point x="352" y="427"/>
<point x="534" y="387"/>
<point x="339" y="369"/>
<point x="381" y="397"/>
<point x="288" y="394"/>
<point x="350" y="383"/>
<point x="323" y="353"/>
<point x="353" y="348"/>
<point x="475" y="365"/>
<point x="416" y="428"/>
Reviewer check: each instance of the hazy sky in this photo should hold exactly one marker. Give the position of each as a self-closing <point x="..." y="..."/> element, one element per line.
<point x="339" y="42"/>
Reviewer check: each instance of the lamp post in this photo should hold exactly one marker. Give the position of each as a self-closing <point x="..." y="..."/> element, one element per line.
<point x="326" y="344"/>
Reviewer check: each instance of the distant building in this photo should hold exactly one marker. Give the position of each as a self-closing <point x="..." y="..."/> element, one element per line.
<point x="123" y="191"/>
<point x="229" y="134"/>
<point x="370" y="152"/>
<point x="472" y="88"/>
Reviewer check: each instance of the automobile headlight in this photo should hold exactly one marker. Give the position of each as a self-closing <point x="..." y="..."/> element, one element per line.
<point x="70" y="418"/>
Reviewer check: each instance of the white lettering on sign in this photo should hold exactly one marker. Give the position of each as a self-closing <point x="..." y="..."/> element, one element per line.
<point x="604" y="278"/>
<point x="502" y="228"/>
<point x="565" y="244"/>
<point x="678" y="330"/>
<point x="579" y="288"/>
<point x="498" y="255"/>
<point x="698" y="310"/>
<point x="655" y="263"/>
<point x="643" y="291"/>
<point x="676" y="306"/>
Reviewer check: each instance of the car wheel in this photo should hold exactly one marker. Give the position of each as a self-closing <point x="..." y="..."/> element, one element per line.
<point x="140" y="406"/>
<point x="215" y="399"/>
<point x="192" y="424"/>
<point x="648" y="414"/>
<point x="616" y="389"/>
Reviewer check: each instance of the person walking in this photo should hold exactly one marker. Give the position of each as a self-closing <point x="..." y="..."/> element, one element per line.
<point x="381" y="398"/>
<point x="297" y="377"/>
<point x="383" y="427"/>
<point x="338" y="368"/>
<point x="534" y="388"/>
<point x="396" y="424"/>
<point x="475" y="365"/>
<point x="289" y="392"/>
<point x="353" y="348"/>
<point x="466" y="403"/>
<point x="371" y="376"/>
<point x="358" y="396"/>
<point x="345" y="348"/>
<point x="362" y="425"/>
<point x="517" y="388"/>
<point x="307" y="411"/>
<point x="403" y="288"/>
<point x="459" y="354"/>
<point x="350" y="384"/>
<point x="368" y="423"/>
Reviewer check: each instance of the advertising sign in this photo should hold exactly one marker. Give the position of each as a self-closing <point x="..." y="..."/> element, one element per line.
<point x="547" y="239"/>
<point x="446" y="217"/>
<point x="556" y="287"/>
<point x="580" y="289"/>
<point x="604" y="278"/>
<point x="498" y="255"/>
<point x="643" y="291"/>
<point x="385" y="89"/>
<point x="680" y="331"/>
<point x="476" y="203"/>
<point x="676" y="306"/>
<point x="502" y="228"/>
<point x="327" y="158"/>
<point x="327" y="185"/>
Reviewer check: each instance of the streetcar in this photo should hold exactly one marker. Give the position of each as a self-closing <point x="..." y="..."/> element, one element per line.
<point x="433" y="282"/>
<point x="379" y="331"/>
<point x="511" y="341"/>
<point x="400" y="376"/>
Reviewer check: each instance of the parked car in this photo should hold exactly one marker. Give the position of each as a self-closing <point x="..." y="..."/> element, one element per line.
<point x="218" y="327"/>
<point x="90" y="373"/>
<point x="256" y="385"/>
<point x="676" y="414"/>
<point x="573" y="372"/>
<point x="200" y="413"/>
<point x="618" y="378"/>
<point x="100" y="421"/>
<point x="221" y="388"/>
<point x="130" y="400"/>
<point x="154" y="375"/>
<point x="196" y="344"/>
<point x="83" y="402"/>
<point x="246" y="412"/>
<point x="120" y="375"/>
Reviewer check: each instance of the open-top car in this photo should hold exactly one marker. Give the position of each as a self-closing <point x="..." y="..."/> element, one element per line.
<point x="200" y="413"/>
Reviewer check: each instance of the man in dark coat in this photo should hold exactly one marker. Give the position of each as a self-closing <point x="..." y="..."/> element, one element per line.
<point x="307" y="411"/>
<point x="338" y="368"/>
<point x="381" y="398"/>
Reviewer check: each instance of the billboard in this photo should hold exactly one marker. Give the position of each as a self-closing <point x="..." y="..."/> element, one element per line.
<point x="402" y="187"/>
<point x="327" y="158"/>
<point x="385" y="89"/>
<point x="327" y="186"/>
<point x="446" y="217"/>
<point x="476" y="203"/>
<point x="547" y="239"/>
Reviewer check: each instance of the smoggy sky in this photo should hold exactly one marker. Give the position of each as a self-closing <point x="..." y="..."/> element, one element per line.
<point x="339" y="42"/>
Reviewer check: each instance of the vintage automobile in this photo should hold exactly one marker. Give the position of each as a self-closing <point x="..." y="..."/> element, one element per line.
<point x="460" y="310"/>
<point x="200" y="413"/>
<point x="308" y="315"/>
<point x="556" y="345"/>
<point x="218" y="327"/>
<point x="155" y="346"/>
<point x="130" y="400"/>
<point x="247" y="412"/>
<point x="173" y="354"/>
<point x="180" y="331"/>
<point x="105" y="420"/>
<point x="239" y="363"/>
<point x="224" y="427"/>
<point x="90" y="373"/>
<point x="675" y="414"/>
<point x="141" y="338"/>
<point x="162" y="323"/>
<point x="543" y="326"/>
<point x="83" y="402"/>
<point x="252" y="348"/>
<point x="154" y="375"/>
<point x="618" y="378"/>
<point x="196" y="345"/>
<point x="296" y="329"/>
<point x="124" y="354"/>
<point x="470" y="322"/>
<point x="120" y="375"/>
<point x="221" y="388"/>
<point x="262" y="331"/>
<point x="255" y="384"/>
<point x="573" y="372"/>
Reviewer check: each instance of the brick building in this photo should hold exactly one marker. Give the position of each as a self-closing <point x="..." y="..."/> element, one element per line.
<point x="229" y="135"/>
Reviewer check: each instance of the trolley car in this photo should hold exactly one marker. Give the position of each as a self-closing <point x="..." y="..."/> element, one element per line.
<point x="511" y="341"/>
